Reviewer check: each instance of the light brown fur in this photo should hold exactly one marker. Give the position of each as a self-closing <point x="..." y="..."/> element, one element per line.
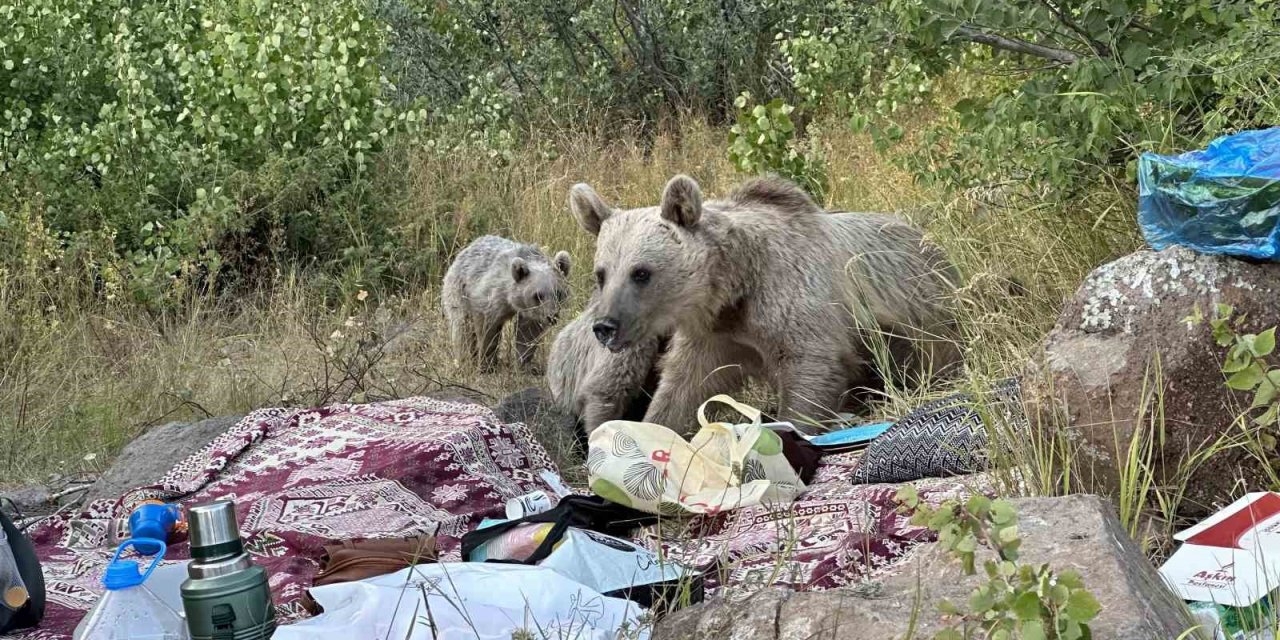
<point x="595" y="384"/>
<point x="765" y="284"/>
<point x="492" y="281"/>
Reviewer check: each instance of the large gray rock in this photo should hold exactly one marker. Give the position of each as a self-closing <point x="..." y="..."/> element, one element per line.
<point x="1097" y="378"/>
<point x="552" y="426"/>
<point x="31" y="498"/>
<point x="145" y="460"/>
<point x="1079" y="532"/>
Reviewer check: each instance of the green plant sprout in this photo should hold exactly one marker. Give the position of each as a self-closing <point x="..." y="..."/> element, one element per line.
<point x="1017" y="601"/>
<point x="1248" y="364"/>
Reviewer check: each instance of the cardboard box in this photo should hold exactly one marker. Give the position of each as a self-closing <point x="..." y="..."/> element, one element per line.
<point x="1233" y="557"/>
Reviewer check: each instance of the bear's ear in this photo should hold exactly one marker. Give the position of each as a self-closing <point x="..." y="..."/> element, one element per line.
<point x="588" y="208"/>
<point x="562" y="262"/>
<point x="682" y="201"/>
<point x="519" y="270"/>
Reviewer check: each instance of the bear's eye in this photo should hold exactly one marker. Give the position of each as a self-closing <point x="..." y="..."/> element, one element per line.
<point x="600" y="278"/>
<point x="640" y="275"/>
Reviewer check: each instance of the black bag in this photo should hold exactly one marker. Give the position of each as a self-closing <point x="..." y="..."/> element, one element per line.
<point x="592" y="513"/>
<point x="28" y="566"/>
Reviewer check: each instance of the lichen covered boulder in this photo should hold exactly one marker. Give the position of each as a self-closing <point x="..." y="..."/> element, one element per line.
<point x="1123" y="356"/>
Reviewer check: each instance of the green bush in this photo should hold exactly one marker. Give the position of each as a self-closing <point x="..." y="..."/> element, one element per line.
<point x="1071" y="92"/>
<point x="189" y="145"/>
<point x="136" y="119"/>
<point x="763" y="142"/>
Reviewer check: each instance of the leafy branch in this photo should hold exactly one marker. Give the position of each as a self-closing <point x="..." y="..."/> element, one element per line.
<point x="1017" y="600"/>
<point x="1248" y="365"/>
<point x="1014" y="45"/>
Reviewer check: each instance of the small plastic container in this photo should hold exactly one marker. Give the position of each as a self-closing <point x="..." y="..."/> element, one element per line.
<point x="129" y="610"/>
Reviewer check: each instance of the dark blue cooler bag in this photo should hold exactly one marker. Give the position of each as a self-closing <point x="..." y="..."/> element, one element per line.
<point x="1224" y="199"/>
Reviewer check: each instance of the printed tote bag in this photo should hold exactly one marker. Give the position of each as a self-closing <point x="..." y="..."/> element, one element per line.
<point x="650" y="468"/>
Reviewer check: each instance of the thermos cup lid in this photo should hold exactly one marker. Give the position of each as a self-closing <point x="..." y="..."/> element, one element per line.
<point x="213" y="529"/>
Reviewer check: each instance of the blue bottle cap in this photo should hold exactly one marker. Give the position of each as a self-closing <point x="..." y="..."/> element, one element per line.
<point x="122" y="574"/>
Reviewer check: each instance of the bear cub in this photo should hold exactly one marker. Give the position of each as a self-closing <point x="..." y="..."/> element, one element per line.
<point x="494" y="280"/>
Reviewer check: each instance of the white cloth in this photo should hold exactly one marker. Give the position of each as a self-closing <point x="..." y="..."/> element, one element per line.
<point x="464" y="600"/>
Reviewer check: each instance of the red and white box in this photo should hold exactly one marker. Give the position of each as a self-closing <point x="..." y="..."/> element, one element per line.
<point x="1233" y="557"/>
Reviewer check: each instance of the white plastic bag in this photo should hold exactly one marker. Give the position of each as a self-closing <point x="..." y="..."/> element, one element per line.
<point x="612" y="566"/>
<point x="472" y="600"/>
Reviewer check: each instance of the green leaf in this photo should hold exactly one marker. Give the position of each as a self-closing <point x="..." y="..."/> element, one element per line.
<point x="1027" y="606"/>
<point x="948" y="634"/>
<point x="1266" y="392"/>
<point x="941" y="518"/>
<point x="1236" y="362"/>
<point x="981" y="600"/>
<point x="1070" y="579"/>
<point x="1268" y="417"/>
<point x="1007" y="569"/>
<point x="1264" y="343"/>
<point x="1081" y="606"/>
<point x="1002" y="512"/>
<point x="1222" y="332"/>
<point x="979" y="505"/>
<point x="1246" y="379"/>
<point x="1195" y="318"/>
<point x="1008" y="534"/>
<point x="1135" y="55"/>
<point x="908" y="497"/>
<point x="1033" y="630"/>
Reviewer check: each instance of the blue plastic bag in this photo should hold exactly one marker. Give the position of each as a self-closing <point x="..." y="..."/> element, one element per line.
<point x="1224" y="199"/>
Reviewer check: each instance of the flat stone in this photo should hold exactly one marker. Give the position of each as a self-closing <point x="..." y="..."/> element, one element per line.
<point x="31" y="497"/>
<point x="151" y="455"/>
<point x="1079" y="532"/>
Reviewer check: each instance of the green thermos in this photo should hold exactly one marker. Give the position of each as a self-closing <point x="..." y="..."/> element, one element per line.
<point x="226" y="596"/>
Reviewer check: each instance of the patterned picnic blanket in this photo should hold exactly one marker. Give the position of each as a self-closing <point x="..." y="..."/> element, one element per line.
<point x="302" y="478"/>
<point x="835" y="534"/>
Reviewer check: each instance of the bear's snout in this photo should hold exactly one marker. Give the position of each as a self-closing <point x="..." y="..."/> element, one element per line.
<point x="606" y="330"/>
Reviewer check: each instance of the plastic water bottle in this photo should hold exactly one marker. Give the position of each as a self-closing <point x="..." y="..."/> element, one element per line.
<point x="129" y="610"/>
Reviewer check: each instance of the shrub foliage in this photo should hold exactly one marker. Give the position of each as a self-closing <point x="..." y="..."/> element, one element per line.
<point x="165" y="147"/>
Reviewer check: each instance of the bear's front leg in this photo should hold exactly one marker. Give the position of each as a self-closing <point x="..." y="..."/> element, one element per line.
<point x="528" y="333"/>
<point x="693" y="371"/>
<point x="462" y="337"/>
<point x="490" y="338"/>
<point x="810" y="386"/>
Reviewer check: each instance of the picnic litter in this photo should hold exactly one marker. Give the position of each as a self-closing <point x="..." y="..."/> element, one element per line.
<point x="421" y="518"/>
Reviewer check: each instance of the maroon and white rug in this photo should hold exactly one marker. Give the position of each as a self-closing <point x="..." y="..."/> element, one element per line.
<point x="302" y="478"/>
<point x="835" y="534"/>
